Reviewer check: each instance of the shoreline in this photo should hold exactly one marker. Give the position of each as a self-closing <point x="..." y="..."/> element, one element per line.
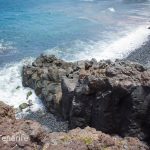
<point x="63" y="85"/>
<point x="141" y="54"/>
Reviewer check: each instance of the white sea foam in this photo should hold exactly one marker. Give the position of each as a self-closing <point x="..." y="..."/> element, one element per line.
<point x="6" y="46"/>
<point x="117" y="49"/>
<point x="111" y="9"/>
<point x="11" y="90"/>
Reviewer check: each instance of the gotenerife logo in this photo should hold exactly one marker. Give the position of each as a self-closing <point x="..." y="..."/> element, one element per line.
<point x="16" y="137"/>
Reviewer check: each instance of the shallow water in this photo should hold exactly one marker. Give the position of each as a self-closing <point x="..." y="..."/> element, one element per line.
<point x="70" y="29"/>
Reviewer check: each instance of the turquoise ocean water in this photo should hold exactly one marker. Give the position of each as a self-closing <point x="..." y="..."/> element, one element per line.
<point x="70" y="29"/>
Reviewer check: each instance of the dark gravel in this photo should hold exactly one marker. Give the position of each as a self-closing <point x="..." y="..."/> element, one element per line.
<point x="141" y="55"/>
<point x="50" y="122"/>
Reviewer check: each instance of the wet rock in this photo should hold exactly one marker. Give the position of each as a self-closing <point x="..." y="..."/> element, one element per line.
<point x="23" y="106"/>
<point x="29" y="94"/>
<point x="18" y="87"/>
<point x="30" y="103"/>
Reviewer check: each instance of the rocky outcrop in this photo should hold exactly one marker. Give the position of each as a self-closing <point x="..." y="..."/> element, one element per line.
<point x="29" y="135"/>
<point x="44" y="76"/>
<point x="113" y="97"/>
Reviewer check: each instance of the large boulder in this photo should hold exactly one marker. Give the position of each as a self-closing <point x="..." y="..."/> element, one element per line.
<point x="29" y="135"/>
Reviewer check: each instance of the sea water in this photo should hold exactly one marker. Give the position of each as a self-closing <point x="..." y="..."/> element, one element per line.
<point x="70" y="29"/>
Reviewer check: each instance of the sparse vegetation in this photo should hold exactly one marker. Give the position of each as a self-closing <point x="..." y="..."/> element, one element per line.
<point x="65" y="138"/>
<point x="87" y="140"/>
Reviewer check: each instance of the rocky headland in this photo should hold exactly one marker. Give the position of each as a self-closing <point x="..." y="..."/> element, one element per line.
<point x="29" y="135"/>
<point x="112" y="97"/>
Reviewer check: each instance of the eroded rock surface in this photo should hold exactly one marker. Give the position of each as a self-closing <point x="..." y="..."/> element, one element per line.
<point x="29" y="135"/>
<point x="44" y="76"/>
<point x="113" y="97"/>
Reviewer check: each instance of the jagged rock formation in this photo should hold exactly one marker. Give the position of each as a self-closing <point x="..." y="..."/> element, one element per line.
<point x="113" y="97"/>
<point x="44" y="76"/>
<point x="29" y="135"/>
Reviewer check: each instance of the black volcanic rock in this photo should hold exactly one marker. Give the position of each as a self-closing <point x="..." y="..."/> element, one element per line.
<point x="68" y="86"/>
<point x="113" y="97"/>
